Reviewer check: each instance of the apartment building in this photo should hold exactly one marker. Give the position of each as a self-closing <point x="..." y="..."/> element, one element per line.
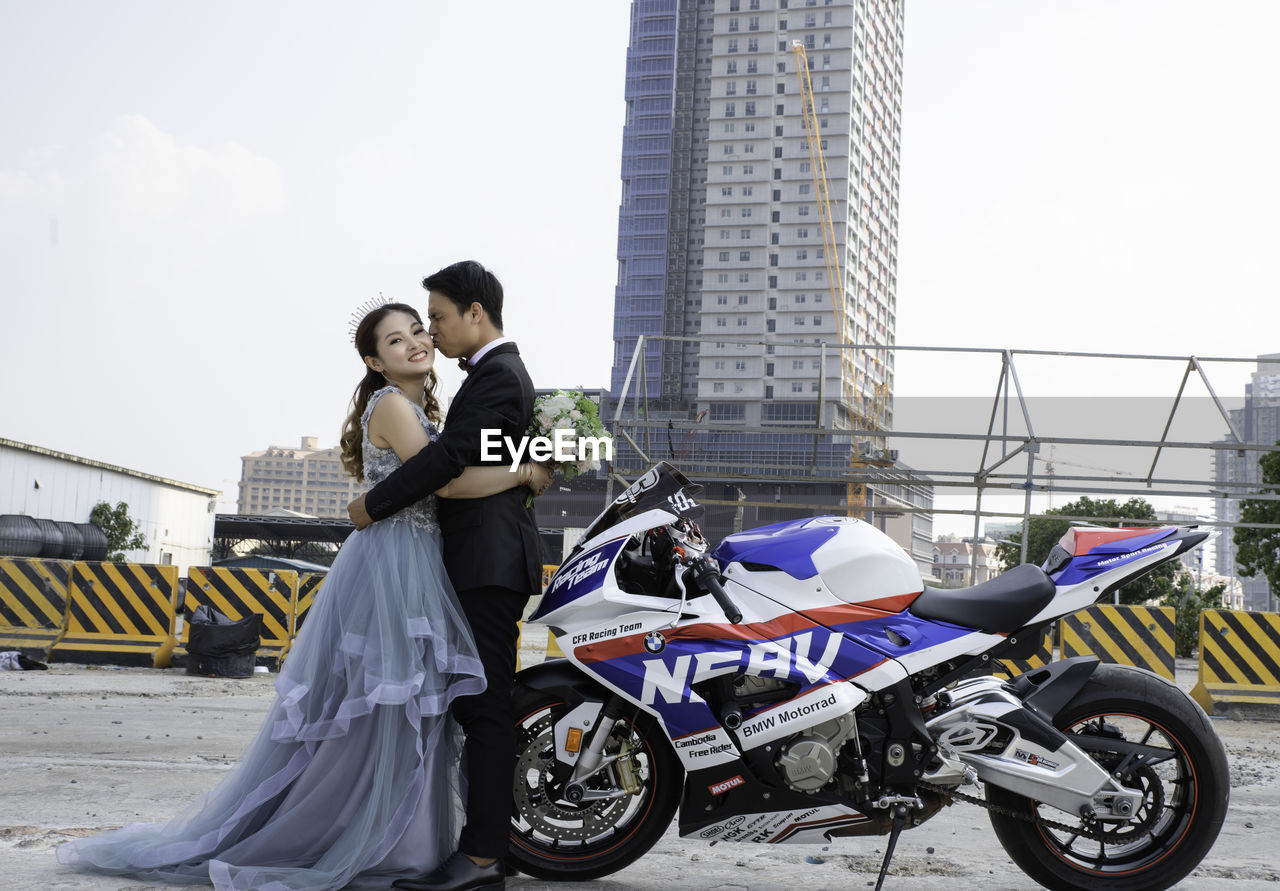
<point x="307" y="480"/>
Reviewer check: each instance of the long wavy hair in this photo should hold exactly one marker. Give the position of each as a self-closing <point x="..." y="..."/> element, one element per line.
<point x="367" y="345"/>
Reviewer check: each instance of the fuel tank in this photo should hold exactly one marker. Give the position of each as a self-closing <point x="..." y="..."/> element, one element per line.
<point x="854" y="561"/>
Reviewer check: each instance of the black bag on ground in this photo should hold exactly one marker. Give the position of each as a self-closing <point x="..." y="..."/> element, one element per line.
<point x="221" y="647"/>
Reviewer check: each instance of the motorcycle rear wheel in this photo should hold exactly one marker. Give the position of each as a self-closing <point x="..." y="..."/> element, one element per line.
<point x="554" y="840"/>
<point x="1181" y="813"/>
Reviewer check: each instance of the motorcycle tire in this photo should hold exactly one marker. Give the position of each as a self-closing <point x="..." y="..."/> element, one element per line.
<point x="554" y="840"/>
<point x="1181" y="812"/>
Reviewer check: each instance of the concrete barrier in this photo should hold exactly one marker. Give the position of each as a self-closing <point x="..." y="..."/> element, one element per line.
<point x="236" y="593"/>
<point x="1239" y="664"/>
<point x="308" y="588"/>
<point x="1124" y="635"/>
<point x="120" y="614"/>
<point x="33" y="604"/>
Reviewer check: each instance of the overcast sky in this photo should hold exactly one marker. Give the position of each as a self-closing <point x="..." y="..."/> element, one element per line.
<point x="194" y="196"/>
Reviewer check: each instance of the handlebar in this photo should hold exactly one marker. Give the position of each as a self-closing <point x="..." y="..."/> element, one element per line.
<point x="707" y="577"/>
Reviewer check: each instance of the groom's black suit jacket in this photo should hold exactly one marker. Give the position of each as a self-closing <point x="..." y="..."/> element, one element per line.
<point x="491" y="540"/>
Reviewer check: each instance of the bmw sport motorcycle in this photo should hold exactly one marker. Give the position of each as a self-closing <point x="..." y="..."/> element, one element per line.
<point x="798" y="683"/>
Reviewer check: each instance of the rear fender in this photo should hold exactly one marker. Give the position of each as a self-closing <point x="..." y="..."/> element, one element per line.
<point x="1046" y="691"/>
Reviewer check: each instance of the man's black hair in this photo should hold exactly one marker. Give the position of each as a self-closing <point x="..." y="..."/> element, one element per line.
<point x="467" y="282"/>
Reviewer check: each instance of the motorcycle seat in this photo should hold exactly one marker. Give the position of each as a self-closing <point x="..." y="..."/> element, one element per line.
<point x="1000" y="606"/>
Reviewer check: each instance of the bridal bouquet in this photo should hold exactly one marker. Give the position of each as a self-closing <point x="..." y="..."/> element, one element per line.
<point x="567" y="425"/>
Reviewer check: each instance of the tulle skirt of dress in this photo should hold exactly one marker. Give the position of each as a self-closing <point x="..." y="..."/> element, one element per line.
<point x="353" y="778"/>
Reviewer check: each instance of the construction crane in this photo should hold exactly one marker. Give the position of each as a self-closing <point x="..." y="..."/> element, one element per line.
<point x="1051" y="462"/>
<point x="866" y="412"/>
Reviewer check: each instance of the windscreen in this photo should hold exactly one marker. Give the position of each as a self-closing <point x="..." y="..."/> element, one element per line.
<point x="662" y="486"/>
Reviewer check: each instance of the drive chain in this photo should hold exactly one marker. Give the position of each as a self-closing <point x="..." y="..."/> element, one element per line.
<point x="1087" y="832"/>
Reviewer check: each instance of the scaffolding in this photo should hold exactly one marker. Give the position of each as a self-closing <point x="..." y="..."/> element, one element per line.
<point x="1008" y="450"/>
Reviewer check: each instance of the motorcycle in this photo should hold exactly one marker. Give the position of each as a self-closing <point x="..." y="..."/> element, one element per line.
<point x="798" y="683"/>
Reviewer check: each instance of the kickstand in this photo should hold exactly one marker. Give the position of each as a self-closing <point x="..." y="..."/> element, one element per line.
<point x="899" y="821"/>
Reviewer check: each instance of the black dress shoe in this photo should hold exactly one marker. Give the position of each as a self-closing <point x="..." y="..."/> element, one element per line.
<point x="458" y="873"/>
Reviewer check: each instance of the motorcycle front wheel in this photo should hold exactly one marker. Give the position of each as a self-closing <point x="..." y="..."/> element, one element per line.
<point x="555" y="840"/>
<point x="1153" y="737"/>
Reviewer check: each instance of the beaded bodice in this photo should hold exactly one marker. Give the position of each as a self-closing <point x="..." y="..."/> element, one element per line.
<point x="379" y="463"/>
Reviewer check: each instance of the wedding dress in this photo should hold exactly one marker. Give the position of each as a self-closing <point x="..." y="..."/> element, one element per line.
<point x="353" y="777"/>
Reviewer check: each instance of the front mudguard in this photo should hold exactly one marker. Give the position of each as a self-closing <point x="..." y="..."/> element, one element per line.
<point x="586" y="701"/>
<point x="563" y="678"/>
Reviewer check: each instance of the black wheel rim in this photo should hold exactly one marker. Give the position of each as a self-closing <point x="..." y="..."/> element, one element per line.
<point x="555" y="829"/>
<point x="1162" y="820"/>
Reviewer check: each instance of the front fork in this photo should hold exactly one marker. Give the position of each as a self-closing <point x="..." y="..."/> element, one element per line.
<point x="593" y="759"/>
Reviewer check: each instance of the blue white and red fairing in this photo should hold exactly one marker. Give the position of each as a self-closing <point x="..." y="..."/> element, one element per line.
<point x="824" y="605"/>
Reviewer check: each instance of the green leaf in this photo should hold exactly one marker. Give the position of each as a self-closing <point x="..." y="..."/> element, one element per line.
<point x="122" y="532"/>
<point x="1258" y="550"/>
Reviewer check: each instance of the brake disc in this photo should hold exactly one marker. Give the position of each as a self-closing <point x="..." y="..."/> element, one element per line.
<point x="538" y="804"/>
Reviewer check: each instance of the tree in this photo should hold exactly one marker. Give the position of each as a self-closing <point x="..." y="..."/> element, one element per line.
<point x="123" y="534"/>
<point x="1188" y="602"/>
<point x="1258" y="550"/>
<point x="1045" y="532"/>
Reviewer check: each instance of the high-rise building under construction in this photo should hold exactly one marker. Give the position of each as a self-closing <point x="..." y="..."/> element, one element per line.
<point x="721" y="221"/>
<point x="759" y="220"/>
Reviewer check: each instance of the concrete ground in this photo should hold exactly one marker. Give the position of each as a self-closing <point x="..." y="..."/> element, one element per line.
<point x="84" y="749"/>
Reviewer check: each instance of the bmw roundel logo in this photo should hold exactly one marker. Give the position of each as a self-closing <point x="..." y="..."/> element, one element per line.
<point x="654" y="642"/>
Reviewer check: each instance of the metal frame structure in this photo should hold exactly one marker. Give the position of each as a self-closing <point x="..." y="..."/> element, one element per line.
<point x="993" y="471"/>
<point x="284" y="534"/>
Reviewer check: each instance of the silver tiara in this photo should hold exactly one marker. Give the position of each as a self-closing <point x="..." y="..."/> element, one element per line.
<point x="363" y="310"/>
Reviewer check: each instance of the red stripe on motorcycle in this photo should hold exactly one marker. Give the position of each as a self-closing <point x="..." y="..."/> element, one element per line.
<point x="892" y="604"/>
<point x="1088" y="539"/>
<point x="791" y="623"/>
<point x="845" y="613"/>
<point x="634" y="643"/>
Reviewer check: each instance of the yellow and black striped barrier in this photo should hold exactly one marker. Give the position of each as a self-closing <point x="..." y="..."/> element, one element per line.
<point x="1011" y="668"/>
<point x="33" y="604"/>
<point x="552" y="649"/>
<point x="308" y="588"/>
<point x="119" y="614"/>
<point x="1125" y="635"/>
<point x="1239" y="664"/>
<point x="236" y="593"/>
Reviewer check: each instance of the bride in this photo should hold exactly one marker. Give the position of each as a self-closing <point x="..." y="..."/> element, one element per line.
<point x="353" y="777"/>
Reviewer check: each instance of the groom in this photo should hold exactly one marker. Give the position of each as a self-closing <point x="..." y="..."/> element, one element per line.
<point x="490" y="552"/>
